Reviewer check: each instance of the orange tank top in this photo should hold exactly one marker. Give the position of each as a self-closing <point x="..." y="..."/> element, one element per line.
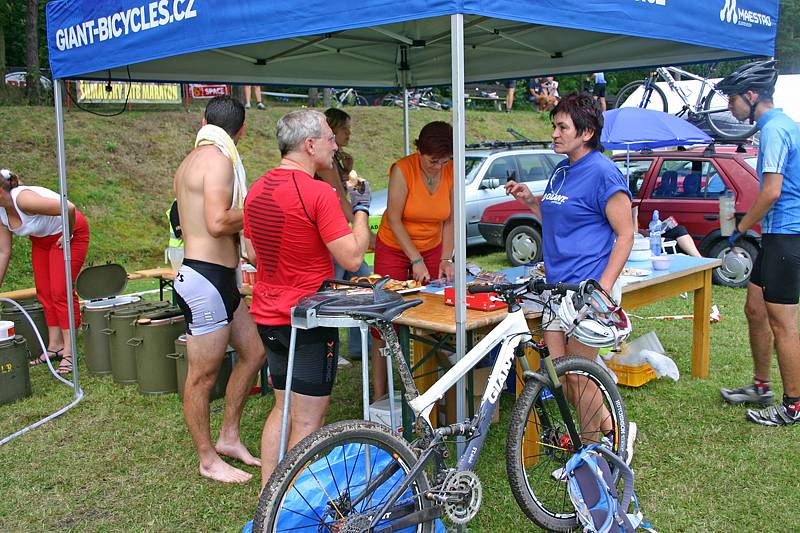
<point x="424" y="213"/>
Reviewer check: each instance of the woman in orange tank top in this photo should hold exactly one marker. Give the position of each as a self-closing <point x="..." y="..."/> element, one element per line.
<point x="415" y="238"/>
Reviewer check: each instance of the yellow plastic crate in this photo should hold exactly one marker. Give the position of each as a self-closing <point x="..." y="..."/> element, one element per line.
<point x="632" y="376"/>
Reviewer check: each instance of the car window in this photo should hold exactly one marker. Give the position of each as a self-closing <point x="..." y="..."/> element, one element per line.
<point x="471" y="167"/>
<point x="555" y="159"/>
<point x="533" y="167"/>
<point x="636" y="173"/>
<point x="752" y="161"/>
<point x="502" y="168"/>
<point x="696" y="179"/>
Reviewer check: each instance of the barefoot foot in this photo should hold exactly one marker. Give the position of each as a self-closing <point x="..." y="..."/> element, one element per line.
<point x="236" y="450"/>
<point x="219" y="470"/>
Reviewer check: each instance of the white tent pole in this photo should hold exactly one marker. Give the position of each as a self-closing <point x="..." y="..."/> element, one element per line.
<point x="62" y="178"/>
<point x="405" y="116"/>
<point x="459" y="215"/>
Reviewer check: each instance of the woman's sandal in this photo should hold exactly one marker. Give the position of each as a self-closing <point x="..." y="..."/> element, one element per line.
<point x="66" y="365"/>
<point x="53" y="355"/>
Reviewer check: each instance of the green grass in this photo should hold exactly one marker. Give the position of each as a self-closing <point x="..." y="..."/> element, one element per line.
<point x="121" y="461"/>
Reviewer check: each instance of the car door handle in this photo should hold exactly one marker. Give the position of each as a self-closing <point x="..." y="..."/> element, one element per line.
<point x="711" y="217"/>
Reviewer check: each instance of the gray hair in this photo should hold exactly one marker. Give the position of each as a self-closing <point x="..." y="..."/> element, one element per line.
<point x="297" y="126"/>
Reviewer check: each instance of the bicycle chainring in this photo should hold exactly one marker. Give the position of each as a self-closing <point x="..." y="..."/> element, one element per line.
<point x="464" y="493"/>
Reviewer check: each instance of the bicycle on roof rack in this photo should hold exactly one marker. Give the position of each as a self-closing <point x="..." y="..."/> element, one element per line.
<point x="358" y="476"/>
<point x="709" y="108"/>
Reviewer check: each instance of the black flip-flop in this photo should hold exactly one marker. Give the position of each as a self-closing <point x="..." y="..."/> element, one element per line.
<point x="56" y="356"/>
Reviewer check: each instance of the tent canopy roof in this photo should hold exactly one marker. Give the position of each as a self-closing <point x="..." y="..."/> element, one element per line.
<point x="379" y="42"/>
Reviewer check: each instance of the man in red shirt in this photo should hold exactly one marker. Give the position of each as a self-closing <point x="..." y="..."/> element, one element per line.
<point x="294" y="228"/>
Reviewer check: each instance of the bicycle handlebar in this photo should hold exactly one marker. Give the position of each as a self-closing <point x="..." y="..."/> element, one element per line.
<point x="535" y="285"/>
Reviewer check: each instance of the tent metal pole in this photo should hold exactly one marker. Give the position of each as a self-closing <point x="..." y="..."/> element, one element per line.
<point x="62" y="174"/>
<point x="62" y="178"/>
<point x="459" y="215"/>
<point x="405" y="116"/>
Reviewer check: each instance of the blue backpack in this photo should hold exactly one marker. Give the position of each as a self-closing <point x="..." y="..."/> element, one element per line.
<point x="599" y="507"/>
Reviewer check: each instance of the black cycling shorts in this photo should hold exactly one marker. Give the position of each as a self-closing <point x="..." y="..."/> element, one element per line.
<point x="315" y="360"/>
<point x="673" y="233"/>
<point x="600" y="90"/>
<point x="777" y="268"/>
<point x="511" y="84"/>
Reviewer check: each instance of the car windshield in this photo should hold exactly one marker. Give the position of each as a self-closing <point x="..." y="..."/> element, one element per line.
<point x="471" y="166"/>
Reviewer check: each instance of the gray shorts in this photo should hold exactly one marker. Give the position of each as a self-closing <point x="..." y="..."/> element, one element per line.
<point x="207" y="294"/>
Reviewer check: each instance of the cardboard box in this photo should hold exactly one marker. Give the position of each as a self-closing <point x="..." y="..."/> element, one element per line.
<point x="379" y="412"/>
<point x="447" y="414"/>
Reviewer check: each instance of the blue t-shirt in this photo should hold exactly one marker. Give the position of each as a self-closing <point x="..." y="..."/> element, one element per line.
<point x="779" y="153"/>
<point x="599" y="77"/>
<point x="576" y="234"/>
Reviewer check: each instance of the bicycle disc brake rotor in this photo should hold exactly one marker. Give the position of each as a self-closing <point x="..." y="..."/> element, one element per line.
<point x="464" y="493"/>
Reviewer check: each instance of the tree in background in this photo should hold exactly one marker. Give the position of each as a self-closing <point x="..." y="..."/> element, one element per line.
<point x="787" y="48"/>
<point x="32" y="78"/>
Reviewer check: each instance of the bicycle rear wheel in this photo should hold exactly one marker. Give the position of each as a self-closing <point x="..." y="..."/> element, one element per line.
<point x="337" y="478"/>
<point x="360" y="101"/>
<point x="655" y="99"/>
<point x="539" y="444"/>
<point x="721" y="122"/>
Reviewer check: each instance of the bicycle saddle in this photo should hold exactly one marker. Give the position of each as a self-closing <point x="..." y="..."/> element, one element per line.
<point x="311" y="311"/>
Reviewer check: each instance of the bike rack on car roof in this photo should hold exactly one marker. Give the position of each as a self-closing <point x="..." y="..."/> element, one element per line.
<point x="509" y="144"/>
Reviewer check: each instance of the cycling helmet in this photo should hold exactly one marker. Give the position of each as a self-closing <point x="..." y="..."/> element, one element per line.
<point x="593" y="318"/>
<point x="759" y="76"/>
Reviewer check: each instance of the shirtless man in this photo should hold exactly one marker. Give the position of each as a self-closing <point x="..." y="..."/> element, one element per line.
<point x="208" y="295"/>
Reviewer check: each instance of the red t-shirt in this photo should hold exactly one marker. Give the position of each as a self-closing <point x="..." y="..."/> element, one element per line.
<point x="289" y="217"/>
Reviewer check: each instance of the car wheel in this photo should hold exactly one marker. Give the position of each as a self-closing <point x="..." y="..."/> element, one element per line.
<point x="740" y="275"/>
<point x="524" y="245"/>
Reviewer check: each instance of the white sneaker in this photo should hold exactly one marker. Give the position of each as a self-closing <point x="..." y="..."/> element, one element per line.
<point x="632" y="430"/>
<point x="344" y="362"/>
<point x="247" y="105"/>
<point x="261" y="106"/>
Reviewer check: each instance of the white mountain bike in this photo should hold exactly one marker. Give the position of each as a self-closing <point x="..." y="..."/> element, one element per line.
<point x="358" y="476"/>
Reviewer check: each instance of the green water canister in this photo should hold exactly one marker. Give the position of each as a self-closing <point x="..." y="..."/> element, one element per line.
<point x="101" y="285"/>
<point x="22" y="327"/>
<point x="154" y="338"/>
<point x="182" y="368"/>
<point x="121" y="326"/>
<point x="15" y="380"/>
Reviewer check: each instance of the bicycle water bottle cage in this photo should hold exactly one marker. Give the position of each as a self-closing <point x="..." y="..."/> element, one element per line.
<point x="329" y="304"/>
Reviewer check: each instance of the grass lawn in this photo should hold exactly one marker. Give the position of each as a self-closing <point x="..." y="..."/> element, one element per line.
<point x="123" y="462"/>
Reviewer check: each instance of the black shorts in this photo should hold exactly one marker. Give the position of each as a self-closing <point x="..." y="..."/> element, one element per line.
<point x="207" y="294"/>
<point x="674" y="233"/>
<point x="316" y="358"/>
<point x="600" y="90"/>
<point x="511" y="84"/>
<point x="777" y="268"/>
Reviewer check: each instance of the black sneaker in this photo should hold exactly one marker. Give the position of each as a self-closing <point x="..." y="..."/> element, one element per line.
<point x="772" y="416"/>
<point x="747" y="394"/>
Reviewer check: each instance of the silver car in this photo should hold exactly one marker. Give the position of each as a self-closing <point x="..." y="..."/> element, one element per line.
<point x="487" y="170"/>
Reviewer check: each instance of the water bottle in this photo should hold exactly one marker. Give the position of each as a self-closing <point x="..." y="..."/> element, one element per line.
<point x="655" y="234"/>
<point x="727" y="224"/>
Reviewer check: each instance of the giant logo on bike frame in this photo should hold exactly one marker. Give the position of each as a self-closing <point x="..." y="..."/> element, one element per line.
<point x="743" y="17"/>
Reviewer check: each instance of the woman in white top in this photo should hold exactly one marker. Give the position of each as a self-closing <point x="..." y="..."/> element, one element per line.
<point x="36" y="212"/>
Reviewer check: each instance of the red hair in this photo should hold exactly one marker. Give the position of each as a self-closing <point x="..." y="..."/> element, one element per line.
<point x="436" y="140"/>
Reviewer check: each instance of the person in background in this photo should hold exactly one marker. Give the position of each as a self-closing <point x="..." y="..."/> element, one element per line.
<point x="538" y="96"/>
<point x="600" y="89"/>
<point x="511" y="87"/>
<point x="36" y="212"/>
<point x="587" y="229"/>
<point x="337" y="177"/>
<point x="257" y="91"/>
<point x="294" y="230"/>
<point x="774" y="289"/>
<point x="209" y="187"/>
<point x="550" y="87"/>
<point x="415" y="238"/>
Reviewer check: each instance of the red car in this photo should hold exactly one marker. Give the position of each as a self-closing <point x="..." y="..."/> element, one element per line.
<point x="684" y="184"/>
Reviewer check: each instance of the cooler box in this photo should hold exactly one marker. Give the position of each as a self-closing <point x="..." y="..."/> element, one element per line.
<point x="15" y="380"/>
<point x="23" y="327"/>
<point x="182" y="368"/>
<point x="101" y="285"/>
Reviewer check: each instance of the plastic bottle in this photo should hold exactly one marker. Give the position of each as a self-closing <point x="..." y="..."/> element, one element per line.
<point x="726" y="210"/>
<point x="655" y="234"/>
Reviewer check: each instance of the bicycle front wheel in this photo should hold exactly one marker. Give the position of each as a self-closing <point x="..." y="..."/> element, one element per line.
<point x="337" y="478"/>
<point x="539" y="444"/>
<point x="721" y="122"/>
<point x="653" y="99"/>
<point x="360" y="101"/>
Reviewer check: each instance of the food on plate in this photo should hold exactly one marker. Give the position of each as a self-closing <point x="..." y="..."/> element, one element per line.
<point x="488" y="278"/>
<point x="391" y="285"/>
<point x="637" y="272"/>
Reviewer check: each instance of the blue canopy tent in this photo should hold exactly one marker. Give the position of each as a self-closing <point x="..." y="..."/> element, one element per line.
<point x="385" y="43"/>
